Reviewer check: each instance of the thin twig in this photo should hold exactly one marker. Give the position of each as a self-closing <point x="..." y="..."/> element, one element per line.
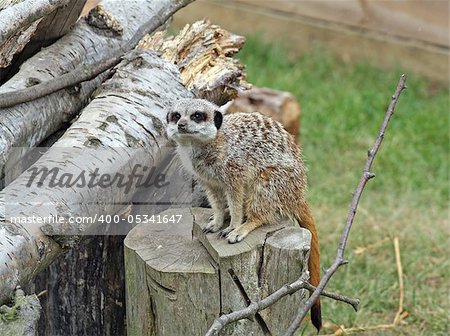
<point x="338" y="297"/>
<point x="255" y="307"/>
<point x="87" y="72"/>
<point x="366" y="176"/>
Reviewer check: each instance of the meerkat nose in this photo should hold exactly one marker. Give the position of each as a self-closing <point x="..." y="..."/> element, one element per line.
<point x="182" y="125"/>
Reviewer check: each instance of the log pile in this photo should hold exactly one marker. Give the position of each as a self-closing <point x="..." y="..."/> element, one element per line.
<point x="116" y="122"/>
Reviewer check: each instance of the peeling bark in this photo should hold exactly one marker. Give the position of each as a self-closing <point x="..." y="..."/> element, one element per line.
<point x="213" y="75"/>
<point x="20" y="15"/>
<point x="19" y="21"/>
<point x="15" y="43"/>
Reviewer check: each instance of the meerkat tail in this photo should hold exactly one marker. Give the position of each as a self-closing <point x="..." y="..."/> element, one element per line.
<point x="305" y="219"/>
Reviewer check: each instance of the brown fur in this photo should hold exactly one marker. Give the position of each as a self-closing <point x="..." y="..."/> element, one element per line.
<point x="249" y="163"/>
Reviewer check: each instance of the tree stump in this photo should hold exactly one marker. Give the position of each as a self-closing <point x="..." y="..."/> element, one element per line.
<point x="178" y="279"/>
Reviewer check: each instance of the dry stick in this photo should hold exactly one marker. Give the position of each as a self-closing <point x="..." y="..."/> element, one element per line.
<point x="398" y="316"/>
<point x="338" y="297"/>
<point x="255" y="307"/>
<point x="366" y="176"/>
<point x="87" y="72"/>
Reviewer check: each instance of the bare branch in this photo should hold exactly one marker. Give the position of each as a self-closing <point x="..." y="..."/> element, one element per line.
<point x="89" y="71"/>
<point x="401" y="314"/>
<point x="254" y="307"/>
<point x="338" y="297"/>
<point x="366" y="176"/>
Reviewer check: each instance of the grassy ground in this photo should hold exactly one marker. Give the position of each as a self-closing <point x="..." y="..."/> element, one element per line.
<point x="342" y="108"/>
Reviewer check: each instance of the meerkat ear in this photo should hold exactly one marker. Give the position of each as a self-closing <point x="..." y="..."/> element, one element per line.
<point x="218" y="117"/>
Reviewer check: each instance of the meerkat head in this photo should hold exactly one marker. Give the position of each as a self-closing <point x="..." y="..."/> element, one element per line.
<point x="191" y="120"/>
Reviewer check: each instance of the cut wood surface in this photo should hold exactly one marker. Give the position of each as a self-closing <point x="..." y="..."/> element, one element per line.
<point x="174" y="269"/>
<point x="279" y="105"/>
<point x="59" y="22"/>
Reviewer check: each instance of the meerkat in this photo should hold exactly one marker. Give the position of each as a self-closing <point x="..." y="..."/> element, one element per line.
<point x="250" y="163"/>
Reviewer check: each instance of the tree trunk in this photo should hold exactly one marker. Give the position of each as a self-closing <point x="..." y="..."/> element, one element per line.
<point x="85" y="293"/>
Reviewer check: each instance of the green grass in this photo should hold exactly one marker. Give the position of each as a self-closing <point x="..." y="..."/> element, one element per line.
<point x="343" y="106"/>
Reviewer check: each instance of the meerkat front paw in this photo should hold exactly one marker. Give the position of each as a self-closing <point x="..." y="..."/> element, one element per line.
<point x="214" y="225"/>
<point x="224" y="233"/>
<point x="237" y="235"/>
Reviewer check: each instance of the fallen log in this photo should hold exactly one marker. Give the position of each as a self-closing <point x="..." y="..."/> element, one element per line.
<point x="50" y="28"/>
<point x="122" y="128"/>
<point x="18" y="22"/>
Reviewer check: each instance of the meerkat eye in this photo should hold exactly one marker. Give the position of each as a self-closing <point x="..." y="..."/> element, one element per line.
<point x="198" y="117"/>
<point x="175" y="117"/>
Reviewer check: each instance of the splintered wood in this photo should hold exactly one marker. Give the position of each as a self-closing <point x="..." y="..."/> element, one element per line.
<point x="14" y="44"/>
<point x="203" y="53"/>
